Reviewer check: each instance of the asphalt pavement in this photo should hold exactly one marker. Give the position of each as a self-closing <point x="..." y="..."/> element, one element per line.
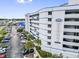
<point x="15" y="48"/>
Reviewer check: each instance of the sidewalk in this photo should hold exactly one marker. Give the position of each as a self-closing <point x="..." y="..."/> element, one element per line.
<point x="36" y="53"/>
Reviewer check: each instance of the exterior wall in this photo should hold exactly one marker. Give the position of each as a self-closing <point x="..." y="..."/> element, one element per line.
<point x="57" y="31"/>
<point x="27" y="27"/>
<point x="43" y="19"/>
<point x="58" y="21"/>
<point x="67" y="54"/>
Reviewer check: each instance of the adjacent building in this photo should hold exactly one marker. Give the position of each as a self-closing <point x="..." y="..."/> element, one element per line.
<point x="57" y="28"/>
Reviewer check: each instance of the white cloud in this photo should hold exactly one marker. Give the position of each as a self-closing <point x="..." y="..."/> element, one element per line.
<point x="24" y="1"/>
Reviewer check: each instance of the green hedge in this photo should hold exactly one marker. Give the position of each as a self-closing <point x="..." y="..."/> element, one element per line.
<point x="43" y="54"/>
<point x="37" y="47"/>
<point x="1" y="38"/>
<point x="37" y="41"/>
<point x="4" y="46"/>
<point x="28" y="36"/>
<point x="29" y="45"/>
<point x="20" y="30"/>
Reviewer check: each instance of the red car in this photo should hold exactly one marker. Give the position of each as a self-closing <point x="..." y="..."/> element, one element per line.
<point x="2" y="55"/>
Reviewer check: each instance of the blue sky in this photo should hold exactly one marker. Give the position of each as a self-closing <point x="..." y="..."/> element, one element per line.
<point x="18" y="8"/>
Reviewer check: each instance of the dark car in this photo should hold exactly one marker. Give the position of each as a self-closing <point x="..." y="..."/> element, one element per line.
<point x="5" y="41"/>
<point x="31" y="50"/>
<point x="25" y="51"/>
<point x="7" y="38"/>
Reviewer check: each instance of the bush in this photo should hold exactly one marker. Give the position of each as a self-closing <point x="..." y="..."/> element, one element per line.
<point x="20" y="30"/>
<point x="4" y="46"/>
<point x="3" y="32"/>
<point x="28" y="45"/>
<point x="42" y="53"/>
<point x="38" y="48"/>
<point x="37" y="41"/>
<point x="1" y="38"/>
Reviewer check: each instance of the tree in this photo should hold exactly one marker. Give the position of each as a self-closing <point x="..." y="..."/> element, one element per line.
<point x="20" y="30"/>
<point x="37" y="41"/>
<point x="29" y="45"/>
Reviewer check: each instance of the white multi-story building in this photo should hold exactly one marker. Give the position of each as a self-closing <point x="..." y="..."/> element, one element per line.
<point x="57" y="28"/>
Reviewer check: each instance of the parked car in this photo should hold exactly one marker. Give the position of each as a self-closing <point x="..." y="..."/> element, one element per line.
<point x="31" y="50"/>
<point x="2" y="55"/>
<point x="7" y="38"/>
<point x="2" y="50"/>
<point x="25" y="51"/>
<point x="23" y="41"/>
<point x="5" y="41"/>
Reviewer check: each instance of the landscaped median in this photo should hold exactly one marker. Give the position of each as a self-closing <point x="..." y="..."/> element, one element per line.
<point x="42" y="53"/>
<point x="2" y="34"/>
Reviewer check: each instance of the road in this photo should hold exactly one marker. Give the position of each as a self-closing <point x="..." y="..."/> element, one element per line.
<point x="15" y="44"/>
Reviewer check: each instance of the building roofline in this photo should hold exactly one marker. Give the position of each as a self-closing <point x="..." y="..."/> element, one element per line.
<point x="62" y="5"/>
<point x="46" y="8"/>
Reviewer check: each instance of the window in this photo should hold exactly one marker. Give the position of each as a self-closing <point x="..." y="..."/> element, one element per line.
<point x="68" y="40"/>
<point x="76" y="34"/>
<point x="68" y="33"/>
<point x="30" y="19"/>
<point x="72" y="26"/>
<point x="49" y="19"/>
<point x="75" y="11"/>
<point x="50" y="13"/>
<point x="69" y="26"/>
<point x="75" y="47"/>
<point x="49" y="43"/>
<point x="71" y="33"/>
<point x="66" y="46"/>
<point x="71" y="40"/>
<point x="49" y="37"/>
<point x="36" y="23"/>
<point x="72" y="19"/>
<point x="49" y="25"/>
<point x="37" y="33"/>
<point x="49" y="31"/>
<point x="71" y="47"/>
<point x="76" y="41"/>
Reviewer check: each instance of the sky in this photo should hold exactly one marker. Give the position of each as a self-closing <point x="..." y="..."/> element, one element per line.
<point x="18" y="8"/>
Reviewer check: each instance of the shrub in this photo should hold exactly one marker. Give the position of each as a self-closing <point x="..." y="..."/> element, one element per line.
<point x="29" y="44"/>
<point x="37" y="41"/>
<point x="42" y="53"/>
<point x="38" y="48"/>
<point x="4" y="46"/>
<point x="20" y="30"/>
<point x="1" y="38"/>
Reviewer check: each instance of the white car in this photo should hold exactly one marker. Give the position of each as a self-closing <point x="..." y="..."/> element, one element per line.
<point x="2" y="50"/>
